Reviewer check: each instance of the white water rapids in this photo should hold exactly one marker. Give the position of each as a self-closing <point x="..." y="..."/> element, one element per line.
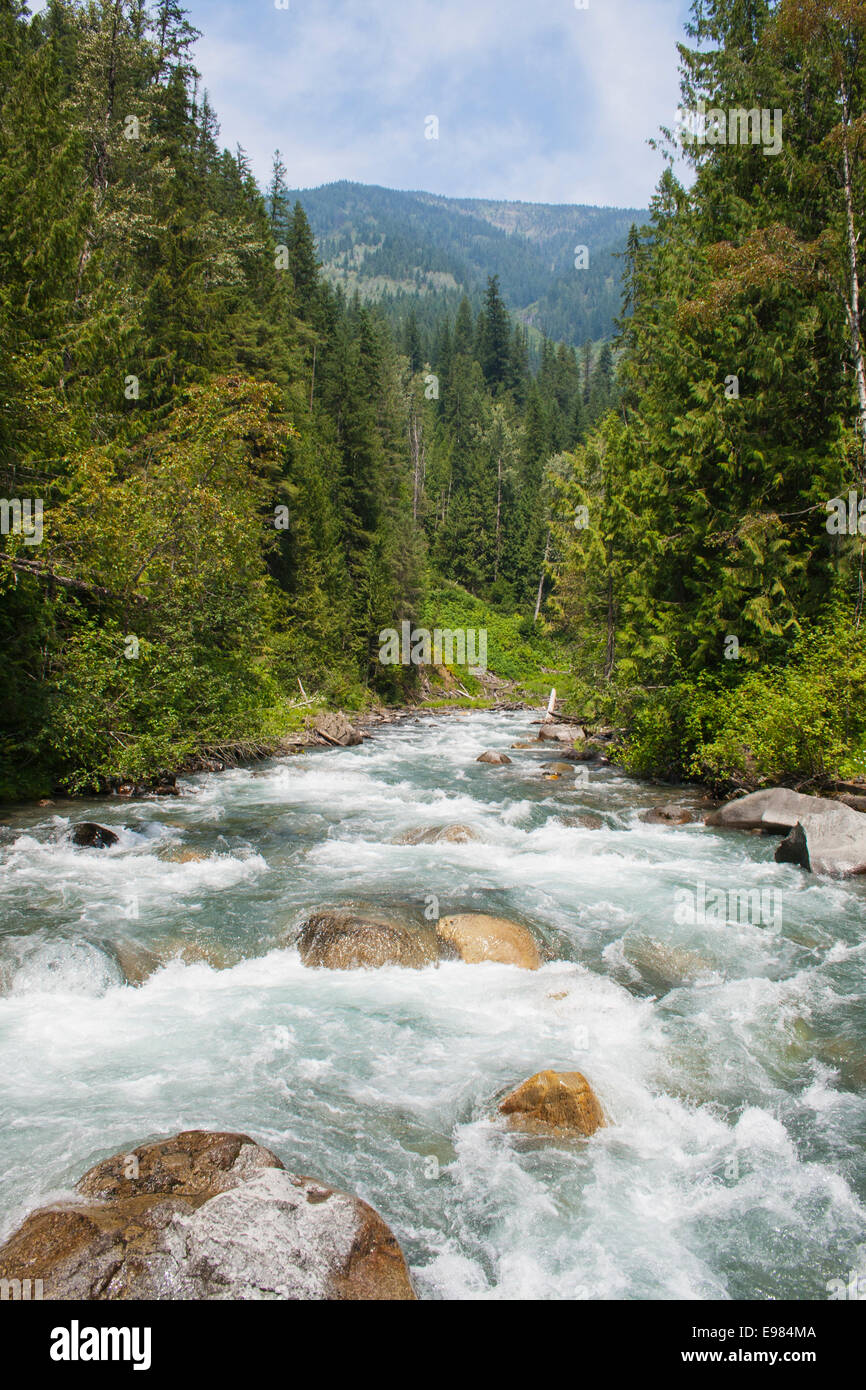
<point x="729" y="1056"/>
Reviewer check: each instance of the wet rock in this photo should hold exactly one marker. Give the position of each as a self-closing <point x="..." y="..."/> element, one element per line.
<point x="492" y="757"/>
<point x="777" y="811"/>
<point x="663" y="965"/>
<point x="558" y="769"/>
<point x="352" y="941"/>
<point x="562" y="733"/>
<point x="586" y="820"/>
<point x="138" y="962"/>
<point x="854" y="803"/>
<point x="554" y="1102"/>
<point x="434" y="834"/>
<point x="524" y="746"/>
<point x="832" y="842"/>
<point x="207" y="1216"/>
<point x="175" y="855"/>
<point x="88" y="835"/>
<point x="672" y="814"/>
<point x="476" y="938"/>
<point x="336" y="730"/>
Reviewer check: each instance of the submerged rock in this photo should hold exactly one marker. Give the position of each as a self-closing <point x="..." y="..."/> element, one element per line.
<point x="559" y="769"/>
<point x="672" y="814"/>
<point x="777" y="811"/>
<point x="492" y="757"/>
<point x="207" y="1216"/>
<point x="433" y="834"/>
<point x="477" y="938"/>
<point x="138" y="962"/>
<point x="554" y="1102"/>
<point x="352" y="941"/>
<point x="175" y="855"/>
<point x="586" y="820"/>
<point x="832" y="842"/>
<point x="88" y="835"/>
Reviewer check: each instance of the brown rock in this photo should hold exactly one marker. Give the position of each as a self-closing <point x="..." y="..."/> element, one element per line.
<point x="558" y="769"/>
<point x="491" y="757"/>
<point x="208" y="1216"/>
<point x="87" y="835"/>
<point x="477" y="938"/>
<point x="586" y="821"/>
<point x="336" y="729"/>
<point x="671" y="814"/>
<point x="182" y="856"/>
<point x="351" y="941"/>
<point x="555" y="1102"/>
<point x="432" y="835"/>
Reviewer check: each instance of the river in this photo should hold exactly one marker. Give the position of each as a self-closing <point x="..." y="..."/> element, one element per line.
<point x="729" y="1055"/>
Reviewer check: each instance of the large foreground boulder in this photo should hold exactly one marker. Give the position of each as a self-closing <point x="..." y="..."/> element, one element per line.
<point x="207" y="1216"/>
<point x="436" y="834"/>
<point x="833" y="842"/>
<point x="777" y="811"/>
<point x="554" y="1102"/>
<point x="354" y="941"/>
<point x="476" y="938"/>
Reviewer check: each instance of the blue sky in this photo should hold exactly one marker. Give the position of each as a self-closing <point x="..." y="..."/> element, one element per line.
<point x="536" y="99"/>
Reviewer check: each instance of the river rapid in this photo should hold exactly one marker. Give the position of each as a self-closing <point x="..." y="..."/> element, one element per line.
<point x="729" y="1055"/>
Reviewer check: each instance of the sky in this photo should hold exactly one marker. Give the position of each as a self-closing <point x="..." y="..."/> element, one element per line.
<point x="535" y="99"/>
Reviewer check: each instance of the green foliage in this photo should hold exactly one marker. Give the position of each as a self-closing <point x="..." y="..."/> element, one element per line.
<point x="801" y="723"/>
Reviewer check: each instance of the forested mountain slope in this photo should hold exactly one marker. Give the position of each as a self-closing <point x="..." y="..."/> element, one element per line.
<point x="419" y="249"/>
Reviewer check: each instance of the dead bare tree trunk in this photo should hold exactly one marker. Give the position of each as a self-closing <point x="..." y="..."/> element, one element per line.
<point x="541" y="580"/>
<point x="498" y="515"/>
<point x="853" y="305"/>
<point x="610" y="651"/>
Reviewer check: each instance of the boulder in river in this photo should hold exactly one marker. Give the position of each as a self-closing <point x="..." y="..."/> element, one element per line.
<point x="671" y="814"/>
<point x="434" y="834"/>
<point x="138" y="962"/>
<point x="493" y="757"/>
<point x="341" y="940"/>
<point x="554" y="1102"/>
<point x="832" y="842"/>
<point x="175" y="854"/>
<point x="207" y="1216"/>
<point x="87" y="835"/>
<point x="558" y="769"/>
<point x="336" y="730"/>
<point x="562" y="733"/>
<point x="477" y="938"/>
<point x="585" y="820"/>
<point x="776" y="811"/>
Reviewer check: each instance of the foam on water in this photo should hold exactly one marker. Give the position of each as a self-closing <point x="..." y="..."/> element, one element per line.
<point x="729" y="1056"/>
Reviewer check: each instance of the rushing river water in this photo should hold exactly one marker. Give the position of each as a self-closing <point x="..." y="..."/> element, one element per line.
<point x="729" y="1055"/>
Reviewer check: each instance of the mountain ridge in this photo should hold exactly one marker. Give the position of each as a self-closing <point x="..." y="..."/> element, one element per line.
<point x="412" y="249"/>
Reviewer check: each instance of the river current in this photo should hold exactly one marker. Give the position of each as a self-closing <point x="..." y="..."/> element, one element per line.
<point x="728" y="1050"/>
